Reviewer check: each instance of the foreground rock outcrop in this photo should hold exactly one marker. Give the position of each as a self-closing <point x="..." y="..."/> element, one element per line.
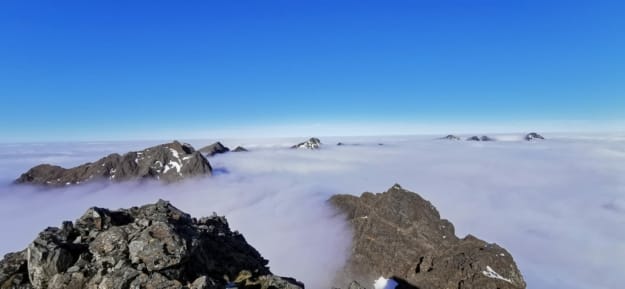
<point x="312" y="144"/>
<point x="213" y="149"/>
<point x="167" y="162"/>
<point x="154" y="246"/>
<point x="398" y="234"/>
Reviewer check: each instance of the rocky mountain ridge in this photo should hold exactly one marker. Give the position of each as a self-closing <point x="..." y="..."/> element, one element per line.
<point x="168" y="162"/>
<point x="398" y="234"/>
<point x="213" y="149"/>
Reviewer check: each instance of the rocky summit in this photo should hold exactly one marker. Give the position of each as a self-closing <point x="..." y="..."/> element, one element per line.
<point x="167" y="162"/>
<point x="451" y="137"/>
<point x="239" y="149"/>
<point x="399" y="235"/>
<point x="533" y="136"/>
<point x="482" y="138"/>
<point x="213" y="149"/>
<point x="312" y="143"/>
<point x="155" y="246"/>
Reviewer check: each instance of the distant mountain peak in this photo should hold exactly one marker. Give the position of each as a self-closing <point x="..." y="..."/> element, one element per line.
<point x="167" y="162"/>
<point x="533" y="136"/>
<point x="312" y="143"/>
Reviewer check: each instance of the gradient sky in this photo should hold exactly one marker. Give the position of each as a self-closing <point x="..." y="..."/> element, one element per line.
<point x="150" y="69"/>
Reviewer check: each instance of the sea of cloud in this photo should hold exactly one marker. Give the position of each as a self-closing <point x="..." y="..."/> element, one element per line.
<point x="557" y="205"/>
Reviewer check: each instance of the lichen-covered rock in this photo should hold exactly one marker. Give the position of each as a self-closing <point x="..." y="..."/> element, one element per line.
<point x="148" y="247"/>
<point x="167" y="162"/>
<point x="399" y="234"/>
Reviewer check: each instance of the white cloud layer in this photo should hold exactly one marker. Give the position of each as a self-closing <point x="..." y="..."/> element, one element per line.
<point x="558" y="205"/>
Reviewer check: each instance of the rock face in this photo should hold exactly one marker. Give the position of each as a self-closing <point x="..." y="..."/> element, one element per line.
<point x="312" y="143"/>
<point x="213" y="149"/>
<point x="533" y="136"/>
<point x="154" y="246"/>
<point x="400" y="235"/>
<point x="451" y="137"/>
<point x="239" y="149"/>
<point x="167" y="162"/>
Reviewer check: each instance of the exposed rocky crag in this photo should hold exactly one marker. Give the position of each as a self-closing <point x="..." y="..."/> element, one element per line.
<point x="168" y="162"/>
<point x="482" y="138"/>
<point x="155" y="246"/>
<point x="451" y="137"/>
<point x="239" y="149"/>
<point x="533" y="136"/>
<point x="312" y="143"/>
<point x="213" y="149"/>
<point x="399" y="234"/>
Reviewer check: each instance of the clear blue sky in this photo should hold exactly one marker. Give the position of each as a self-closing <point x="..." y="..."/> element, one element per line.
<point x="133" y="69"/>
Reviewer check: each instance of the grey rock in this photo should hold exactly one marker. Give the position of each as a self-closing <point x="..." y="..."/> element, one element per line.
<point x="213" y="149"/>
<point x="398" y="234"/>
<point x="167" y="162"/>
<point x="14" y="271"/>
<point x="312" y="143"/>
<point x="533" y="136"/>
<point x="153" y="246"/>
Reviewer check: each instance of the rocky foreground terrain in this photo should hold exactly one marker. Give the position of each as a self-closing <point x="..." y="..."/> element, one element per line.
<point x="168" y="162"/>
<point x="155" y="246"/>
<point x="398" y="234"/>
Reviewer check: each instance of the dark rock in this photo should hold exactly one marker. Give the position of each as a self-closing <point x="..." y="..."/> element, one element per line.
<point x="312" y="143"/>
<point x="154" y="246"/>
<point x="167" y="162"/>
<point x="239" y="149"/>
<point x="213" y="149"/>
<point x="451" y="137"/>
<point x="482" y="138"/>
<point x="14" y="271"/>
<point x="533" y="136"/>
<point x="398" y="234"/>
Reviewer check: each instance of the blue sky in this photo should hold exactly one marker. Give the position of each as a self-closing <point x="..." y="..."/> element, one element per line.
<point x="151" y="69"/>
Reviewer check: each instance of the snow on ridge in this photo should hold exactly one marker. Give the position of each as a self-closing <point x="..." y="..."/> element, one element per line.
<point x="490" y="273"/>
<point x="383" y="283"/>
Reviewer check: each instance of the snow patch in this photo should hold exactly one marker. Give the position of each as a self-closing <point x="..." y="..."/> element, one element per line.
<point x="383" y="283"/>
<point x="172" y="165"/>
<point x="490" y="273"/>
